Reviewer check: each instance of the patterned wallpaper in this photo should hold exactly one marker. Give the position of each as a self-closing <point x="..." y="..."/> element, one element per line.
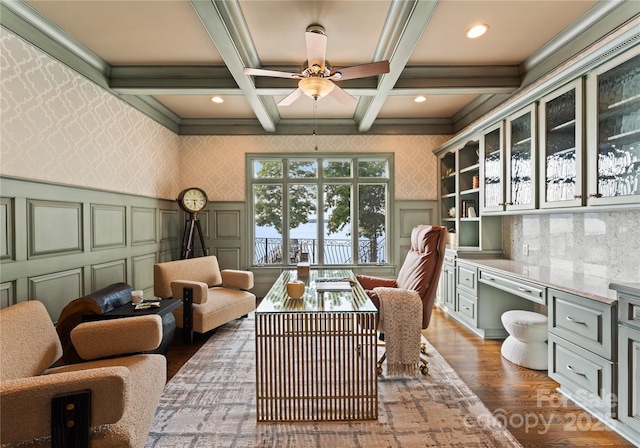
<point x="57" y="126"/>
<point x="217" y="163"/>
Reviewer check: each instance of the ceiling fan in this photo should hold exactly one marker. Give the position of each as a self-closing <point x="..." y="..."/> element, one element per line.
<point x="317" y="75"/>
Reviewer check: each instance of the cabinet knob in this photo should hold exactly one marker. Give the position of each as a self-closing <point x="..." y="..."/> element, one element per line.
<point x="595" y="195"/>
<point x="577" y="196"/>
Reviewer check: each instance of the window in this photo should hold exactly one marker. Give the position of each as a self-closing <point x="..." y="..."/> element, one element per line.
<point x="305" y="207"/>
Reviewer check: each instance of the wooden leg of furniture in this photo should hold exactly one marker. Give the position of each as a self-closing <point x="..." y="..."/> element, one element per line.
<point x="187" y="315"/>
<point x="70" y="420"/>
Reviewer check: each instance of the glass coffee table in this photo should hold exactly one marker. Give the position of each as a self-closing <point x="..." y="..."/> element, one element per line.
<point x="316" y="356"/>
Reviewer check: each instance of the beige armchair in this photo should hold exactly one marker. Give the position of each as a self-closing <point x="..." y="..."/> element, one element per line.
<point x="108" y="401"/>
<point x="210" y="297"/>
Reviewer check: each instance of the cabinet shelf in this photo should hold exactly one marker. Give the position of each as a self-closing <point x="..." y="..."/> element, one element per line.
<point x="475" y="218"/>
<point x="562" y="152"/>
<point x="624" y="102"/>
<point x="449" y="195"/>
<point x="475" y="167"/>
<point x="623" y="135"/>
<point x="563" y="126"/>
<point x="522" y="142"/>
<point x="470" y="191"/>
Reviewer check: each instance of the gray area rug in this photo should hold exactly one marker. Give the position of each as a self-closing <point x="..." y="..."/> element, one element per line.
<point x="211" y="403"/>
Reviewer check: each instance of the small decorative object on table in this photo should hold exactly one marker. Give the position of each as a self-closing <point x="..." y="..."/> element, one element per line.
<point x="136" y="296"/>
<point x="295" y="289"/>
<point x="303" y="269"/>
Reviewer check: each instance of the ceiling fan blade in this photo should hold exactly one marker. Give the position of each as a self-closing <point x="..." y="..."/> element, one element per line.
<point x="316" y="48"/>
<point x="343" y="96"/>
<point x="271" y="73"/>
<point x="362" y="71"/>
<point x="289" y="99"/>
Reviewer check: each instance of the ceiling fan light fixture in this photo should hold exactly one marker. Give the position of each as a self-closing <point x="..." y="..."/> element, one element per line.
<point x="315" y="87"/>
<point x="477" y="30"/>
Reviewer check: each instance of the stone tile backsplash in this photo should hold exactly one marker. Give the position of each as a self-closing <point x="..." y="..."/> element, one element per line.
<point x="602" y="244"/>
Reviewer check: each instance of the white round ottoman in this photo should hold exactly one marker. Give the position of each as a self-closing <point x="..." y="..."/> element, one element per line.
<point x="526" y="346"/>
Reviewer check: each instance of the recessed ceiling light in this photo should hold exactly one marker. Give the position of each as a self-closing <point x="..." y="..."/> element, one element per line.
<point x="217" y="99"/>
<point x="420" y="99"/>
<point x="477" y="31"/>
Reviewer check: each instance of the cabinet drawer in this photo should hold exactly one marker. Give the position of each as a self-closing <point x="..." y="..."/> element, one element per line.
<point x="582" y="372"/>
<point x="467" y="308"/>
<point x="629" y="377"/>
<point x="585" y="322"/>
<point x="467" y="278"/>
<point x="629" y="310"/>
<point x="527" y="290"/>
<point x="449" y="259"/>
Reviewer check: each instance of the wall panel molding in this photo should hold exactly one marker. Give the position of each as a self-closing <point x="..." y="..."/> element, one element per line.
<point x="104" y="274"/>
<point x="143" y="225"/>
<point x="7" y="224"/>
<point x="57" y="289"/>
<point x="108" y="226"/>
<point x="70" y="241"/>
<point x="229" y="257"/>
<point x="55" y="228"/>
<point x="7" y="294"/>
<point x="142" y="273"/>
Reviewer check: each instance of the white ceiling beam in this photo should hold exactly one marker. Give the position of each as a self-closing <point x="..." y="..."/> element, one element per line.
<point x="405" y="24"/>
<point x="225" y="24"/>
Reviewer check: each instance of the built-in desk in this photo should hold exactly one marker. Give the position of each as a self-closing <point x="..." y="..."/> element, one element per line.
<point x="594" y="329"/>
<point x="596" y="288"/>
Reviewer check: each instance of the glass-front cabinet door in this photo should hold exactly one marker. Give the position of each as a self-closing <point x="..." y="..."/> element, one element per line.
<point x="521" y="164"/>
<point x="561" y="147"/>
<point x="614" y="150"/>
<point x="492" y="169"/>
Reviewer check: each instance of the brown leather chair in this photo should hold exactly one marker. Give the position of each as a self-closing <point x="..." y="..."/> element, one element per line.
<point x="420" y="271"/>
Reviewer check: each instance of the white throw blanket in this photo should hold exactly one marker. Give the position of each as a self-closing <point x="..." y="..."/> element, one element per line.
<point x="401" y="321"/>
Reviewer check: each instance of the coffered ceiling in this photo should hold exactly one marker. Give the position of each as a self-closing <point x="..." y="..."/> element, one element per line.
<point x="170" y="57"/>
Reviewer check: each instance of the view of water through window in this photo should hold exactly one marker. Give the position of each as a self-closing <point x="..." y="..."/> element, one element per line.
<point x="290" y="196"/>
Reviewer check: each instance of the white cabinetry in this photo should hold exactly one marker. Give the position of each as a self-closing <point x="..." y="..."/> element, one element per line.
<point x="562" y="147"/>
<point x="521" y="163"/>
<point x="613" y="131"/>
<point x="629" y="363"/>
<point x="582" y="336"/>
<point x="492" y="169"/>
<point x="460" y="199"/>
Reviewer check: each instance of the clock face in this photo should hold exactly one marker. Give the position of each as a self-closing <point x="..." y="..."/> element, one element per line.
<point x="193" y="199"/>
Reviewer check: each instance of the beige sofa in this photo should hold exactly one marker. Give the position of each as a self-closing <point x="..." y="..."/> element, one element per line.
<point x="124" y="391"/>
<point x="210" y="297"/>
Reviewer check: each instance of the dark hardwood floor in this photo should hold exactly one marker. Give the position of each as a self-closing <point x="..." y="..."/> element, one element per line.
<point x="522" y="399"/>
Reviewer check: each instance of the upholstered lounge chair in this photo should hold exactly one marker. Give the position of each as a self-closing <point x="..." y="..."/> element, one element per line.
<point x="419" y="272"/>
<point x="107" y="402"/>
<point x="210" y="297"/>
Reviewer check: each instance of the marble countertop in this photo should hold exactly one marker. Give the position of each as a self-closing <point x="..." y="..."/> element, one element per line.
<point x="596" y="288"/>
<point x="627" y="288"/>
